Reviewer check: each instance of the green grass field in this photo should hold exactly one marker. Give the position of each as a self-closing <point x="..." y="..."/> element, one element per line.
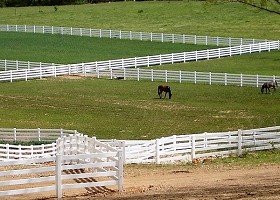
<point x="75" y="49"/>
<point x="132" y="110"/>
<point x="185" y="17"/>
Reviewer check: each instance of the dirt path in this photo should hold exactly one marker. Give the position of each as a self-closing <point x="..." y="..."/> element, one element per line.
<point x="185" y="182"/>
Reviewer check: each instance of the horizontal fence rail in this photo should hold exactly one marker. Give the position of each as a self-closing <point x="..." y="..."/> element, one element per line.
<point x="6" y="65"/>
<point x="24" y="135"/>
<point x="188" y="77"/>
<point x="130" y="35"/>
<point x="105" y="68"/>
<point x="151" y="60"/>
<point x="139" y="74"/>
<point x="10" y="152"/>
<point x="185" y="148"/>
<point x="68" y="169"/>
<point x="166" y="149"/>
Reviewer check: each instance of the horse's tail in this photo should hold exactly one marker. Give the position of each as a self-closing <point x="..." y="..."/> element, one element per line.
<point x="263" y="86"/>
<point x="169" y="92"/>
<point x="276" y="84"/>
<point x="159" y="89"/>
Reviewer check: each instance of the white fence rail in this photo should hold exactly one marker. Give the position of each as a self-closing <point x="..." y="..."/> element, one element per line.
<point x="130" y="35"/>
<point x="188" y="77"/>
<point x="199" y="146"/>
<point x="167" y="149"/>
<point x="22" y="69"/>
<point x="63" y="171"/>
<point x="139" y="74"/>
<point x="6" y="65"/>
<point x="15" y="134"/>
<point x="11" y="152"/>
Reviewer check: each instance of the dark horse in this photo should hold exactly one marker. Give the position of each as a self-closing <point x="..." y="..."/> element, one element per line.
<point x="268" y="85"/>
<point x="164" y="88"/>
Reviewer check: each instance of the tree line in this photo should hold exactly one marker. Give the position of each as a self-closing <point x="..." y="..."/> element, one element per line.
<point x="24" y="3"/>
<point x="272" y="6"/>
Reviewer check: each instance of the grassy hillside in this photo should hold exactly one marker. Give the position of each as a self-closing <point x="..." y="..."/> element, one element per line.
<point x="186" y="17"/>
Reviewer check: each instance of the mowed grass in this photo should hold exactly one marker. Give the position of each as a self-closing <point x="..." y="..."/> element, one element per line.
<point x="186" y="17"/>
<point x="132" y="110"/>
<point x="75" y="49"/>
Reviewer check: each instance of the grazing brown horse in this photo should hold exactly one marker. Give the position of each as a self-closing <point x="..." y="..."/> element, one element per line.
<point x="164" y="88"/>
<point x="268" y="85"/>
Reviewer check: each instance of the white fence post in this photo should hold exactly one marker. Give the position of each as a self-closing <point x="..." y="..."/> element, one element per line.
<point x="239" y="141"/>
<point x="180" y="76"/>
<point x="15" y="134"/>
<point x="120" y="171"/>
<point x="39" y="134"/>
<point x="157" y="151"/>
<point x="8" y="151"/>
<point x="225" y="78"/>
<point x="58" y="179"/>
<point x="193" y="147"/>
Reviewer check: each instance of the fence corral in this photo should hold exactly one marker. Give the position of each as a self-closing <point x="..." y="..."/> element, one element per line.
<point x="62" y="172"/>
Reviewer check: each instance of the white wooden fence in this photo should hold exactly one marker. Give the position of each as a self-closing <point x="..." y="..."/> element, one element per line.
<point x="187" y="77"/>
<point x="16" y="134"/>
<point x="6" y="65"/>
<point x="11" y="152"/>
<point x="166" y="149"/>
<point x="185" y="148"/>
<point x="130" y="35"/>
<point x="138" y="74"/>
<point x="62" y="172"/>
<point x="27" y="67"/>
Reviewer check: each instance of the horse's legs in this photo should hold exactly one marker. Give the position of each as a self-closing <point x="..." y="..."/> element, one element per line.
<point x="165" y="94"/>
<point x="160" y="95"/>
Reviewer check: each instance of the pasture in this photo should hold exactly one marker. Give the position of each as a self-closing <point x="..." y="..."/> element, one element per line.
<point x="186" y="17"/>
<point x="132" y="110"/>
<point x="67" y="49"/>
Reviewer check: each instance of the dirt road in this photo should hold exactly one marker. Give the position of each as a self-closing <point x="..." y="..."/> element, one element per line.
<point x="185" y="182"/>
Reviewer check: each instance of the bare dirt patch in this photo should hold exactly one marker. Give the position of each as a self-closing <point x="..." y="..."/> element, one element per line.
<point x="184" y="182"/>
